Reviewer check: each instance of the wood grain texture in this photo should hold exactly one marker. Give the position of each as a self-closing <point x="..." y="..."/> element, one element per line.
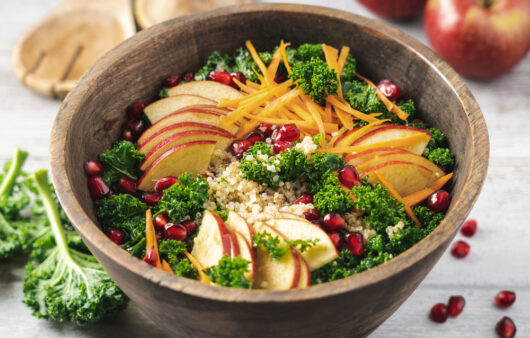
<point x="133" y="71"/>
<point x="498" y="255"/>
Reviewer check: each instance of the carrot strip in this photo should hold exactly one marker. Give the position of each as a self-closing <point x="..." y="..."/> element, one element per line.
<point x="331" y="55"/>
<point x="419" y="196"/>
<point x="202" y="276"/>
<point x="150" y="236"/>
<point x="252" y="84"/>
<point x="166" y="267"/>
<point x="327" y="112"/>
<point x="342" y="59"/>
<point x="284" y="57"/>
<point x="343" y="106"/>
<point x="316" y="112"/>
<point x="396" y="195"/>
<point x="247" y="89"/>
<point x="328" y="127"/>
<point x="275" y="62"/>
<point x="257" y="59"/>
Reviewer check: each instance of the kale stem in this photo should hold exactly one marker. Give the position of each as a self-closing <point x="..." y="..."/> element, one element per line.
<point x="19" y="157"/>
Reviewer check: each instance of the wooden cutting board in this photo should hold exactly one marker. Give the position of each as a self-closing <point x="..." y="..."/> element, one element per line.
<point x="151" y="12"/>
<point x="52" y="56"/>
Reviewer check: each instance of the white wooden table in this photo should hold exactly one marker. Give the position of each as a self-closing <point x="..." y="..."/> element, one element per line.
<point x="500" y="252"/>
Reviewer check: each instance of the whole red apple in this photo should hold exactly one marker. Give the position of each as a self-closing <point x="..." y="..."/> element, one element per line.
<point x="480" y="39"/>
<point x="395" y="9"/>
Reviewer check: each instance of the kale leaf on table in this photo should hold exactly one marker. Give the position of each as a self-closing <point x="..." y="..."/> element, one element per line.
<point x="123" y="159"/>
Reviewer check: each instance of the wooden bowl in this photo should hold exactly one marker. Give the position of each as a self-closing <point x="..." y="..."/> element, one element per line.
<point x="89" y="122"/>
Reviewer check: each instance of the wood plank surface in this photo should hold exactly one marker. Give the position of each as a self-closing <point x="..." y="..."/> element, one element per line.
<point x="499" y="251"/>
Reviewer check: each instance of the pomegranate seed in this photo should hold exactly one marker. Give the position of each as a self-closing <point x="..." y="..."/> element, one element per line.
<point x="417" y="121"/>
<point x="336" y="238"/>
<point x="439" y="313"/>
<point x="279" y="78"/>
<point x="355" y="243"/>
<point x="255" y="136"/>
<point x="469" y="228"/>
<point x="151" y="199"/>
<point x="439" y="201"/>
<point x="190" y="227"/>
<point x="317" y="222"/>
<point x="98" y="188"/>
<point x="93" y="168"/>
<point x="239" y="77"/>
<point x="266" y="129"/>
<point x="188" y="76"/>
<point x="460" y="249"/>
<point x="238" y="148"/>
<point x="136" y="110"/>
<point x="164" y="183"/>
<point x="127" y="185"/>
<point x="151" y="257"/>
<point x="160" y="221"/>
<point x="389" y="89"/>
<point x="349" y="177"/>
<point x="116" y="235"/>
<point x="281" y="146"/>
<point x="334" y="221"/>
<point x="506" y="327"/>
<point x="456" y="305"/>
<point x="128" y="135"/>
<point x="174" y="231"/>
<point x="505" y="298"/>
<point x="172" y="81"/>
<point x="312" y="214"/>
<point x="304" y="199"/>
<point x="159" y="234"/>
<point x="135" y="126"/>
<point x="222" y="77"/>
<point x="287" y="132"/>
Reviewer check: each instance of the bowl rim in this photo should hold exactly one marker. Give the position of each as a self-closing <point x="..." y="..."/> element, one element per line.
<point x="460" y="208"/>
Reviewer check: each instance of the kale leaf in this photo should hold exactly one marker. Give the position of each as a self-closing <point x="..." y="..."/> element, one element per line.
<point x="348" y="71"/>
<point x="230" y="272"/>
<point x="321" y="163"/>
<point x="292" y="164"/>
<point x="308" y="51"/>
<point x="441" y="156"/>
<point x="272" y="244"/>
<point x="331" y="197"/>
<point x="258" y="165"/>
<point x="122" y="159"/>
<point x="315" y="78"/>
<point x="173" y="252"/>
<point x="363" y="97"/>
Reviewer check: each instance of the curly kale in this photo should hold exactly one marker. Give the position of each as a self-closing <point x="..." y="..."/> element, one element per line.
<point x="292" y="164"/>
<point x="162" y="93"/>
<point x="185" y="198"/>
<point x="68" y="285"/>
<point x="122" y="159"/>
<point x="258" y="165"/>
<point x="442" y="156"/>
<point x="126" y="213"/>
<point x="321" y="163"/>
<point x="315" y="78"/>
<point x="308" y="51"/>
<point x="276" y="251"/>
<point x="331" y="197"/>
<point x="363" y="97"/>
<point x="230" y="272"/>
<point x="173" y="252"/>
<point x="348" y="72"/>
<point x="215" y="61"/>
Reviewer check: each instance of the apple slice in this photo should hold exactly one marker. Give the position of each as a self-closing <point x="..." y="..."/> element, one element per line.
<point x="247" y="252"/>
<point x="212" y="241"/>
<point x="163" y="107"/>
<point x="405" y="177"/>
<point x="281" y="274"/>
<point x="222" y="142"/>
<point x="290" y="215"/>
<point x="316" y="256"/>
<point x="388" y="133"/>
<point x="176" y="128"/>
<point x="349" y="137"/>
<point x="193" y="157"/>
<point x="358" y="158"/>
<point x="400" y="157"/>
<point x="305" y="273"/>
<point x="212" y="90"/>
<point x="237" y="223"/>
<point x="189" y="114"/>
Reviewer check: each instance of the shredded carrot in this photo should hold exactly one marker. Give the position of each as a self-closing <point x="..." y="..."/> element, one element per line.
<point x="252" y="84"/>
<point x="419" y="196"/>
<point x="331" y="55"/>
<point x="328" y="127"/>
<point x="166" y="267"/>
<point x="317" y="113"/>
<point x="327" y="112"/>
<point x="338" y="103"/>
<point x="275" y="62"/>
<point x="150" y="236"/>
<point x="247" y="89"/>
<point x="390" y="106"/>
<point x="398" y="143"/>
<point x="200" y="269"/>
<point x="284" y="57"/>
<point x="396" y="195"/>
<point x="257" y="60"/>
<point x="342" y="59"/>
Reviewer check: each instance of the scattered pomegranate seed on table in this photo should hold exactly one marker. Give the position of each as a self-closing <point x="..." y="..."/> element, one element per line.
<point x="505" y="298"/>
<point x="174" y="231"/>
<point x="439" y="313"/>
<point x="151" y="257"/>
<point x="334" y="221"/>
<point x="460" y="249"/>
<point x="337" y="240"/>
<point x="349" y="177"/>
<point x="287" y="132"/>
<point x="116" y="235"/>
<point x="151" y="199"/>
<point x="506" y="327"/>
<point x="190" y="227"/>
<point x="221" y="77"/>
<point x="160" y="221"/>
<point x="238" y="148"/>
<point x="135" y="111"/>
<point x="304" y="199"/>
<point x="389" y="89"/>
<point x="172" y="81"/>
<point x="455" y="306"/>
<point x="355" y="243"/>
<point x="469" y="228"/>
<point x="93" y="168"/>
<point x="255" y="136"/>
<point x="312" y="214"/>
<point x="280" y="146"/>
<point x="164" y="183"/>
<point x="188" y="76"/>
<point x="439" y="201"/>
<point x="127" y="185"/>
<point x="98" y="188"/>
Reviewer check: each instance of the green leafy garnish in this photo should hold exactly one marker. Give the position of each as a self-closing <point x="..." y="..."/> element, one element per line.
<point x="173" y="251"/>
<point x="230" y="272"/>
<point x="122" y="159"/>
<point x="272" y="244"/>
<point x="315" y="78"/>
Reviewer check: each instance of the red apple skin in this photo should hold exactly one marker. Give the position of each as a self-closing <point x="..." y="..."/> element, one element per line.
<point x="395" y="9"/>
<point x="477" y="42"/>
